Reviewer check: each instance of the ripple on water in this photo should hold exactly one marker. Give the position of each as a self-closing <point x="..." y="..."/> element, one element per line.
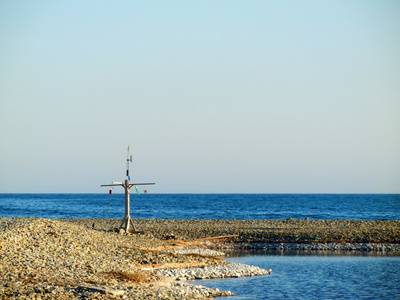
<point x="316" y="277"/>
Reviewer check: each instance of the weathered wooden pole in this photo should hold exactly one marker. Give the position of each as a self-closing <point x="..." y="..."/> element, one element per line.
<point x="127" y="199"/>
<point x="127" y="222"/>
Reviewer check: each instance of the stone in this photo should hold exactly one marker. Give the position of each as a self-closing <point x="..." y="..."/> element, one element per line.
<point x="55" y="256"/>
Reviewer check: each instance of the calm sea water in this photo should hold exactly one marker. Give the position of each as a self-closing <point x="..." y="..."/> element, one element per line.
<point x="315" y="277"/>
<point x="204" y="206"/>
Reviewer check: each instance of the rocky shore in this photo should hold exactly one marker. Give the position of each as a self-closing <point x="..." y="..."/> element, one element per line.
<point x="213" y="272"/>
<point x="92" y="259"/>
<point x="278" y="231"/>
<point x="379" y="248"/>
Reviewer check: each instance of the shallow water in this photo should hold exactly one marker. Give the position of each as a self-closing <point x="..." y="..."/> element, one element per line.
<point x="316" y="277"/>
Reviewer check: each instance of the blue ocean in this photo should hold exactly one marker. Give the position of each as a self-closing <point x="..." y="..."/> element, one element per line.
<point x="204" y="206"/>
<point x="294" y="275"/>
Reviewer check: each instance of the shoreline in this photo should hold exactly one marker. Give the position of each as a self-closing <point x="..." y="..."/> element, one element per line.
<point x="379" y="248"/>
<point x="277" y="235"/>
<point x="263" y="231"/>
<point x="70" y="258"/>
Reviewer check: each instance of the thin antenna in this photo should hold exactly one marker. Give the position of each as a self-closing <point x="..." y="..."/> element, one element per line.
<point x="127" y="164"/>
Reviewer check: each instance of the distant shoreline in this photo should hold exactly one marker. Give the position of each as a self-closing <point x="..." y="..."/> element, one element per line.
<point x="264" y="231"/>
<point x="281" y="235"/>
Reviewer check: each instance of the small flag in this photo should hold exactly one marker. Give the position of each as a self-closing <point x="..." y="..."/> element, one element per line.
<point x="137" y="190"/>
<point x="128" y="148"/>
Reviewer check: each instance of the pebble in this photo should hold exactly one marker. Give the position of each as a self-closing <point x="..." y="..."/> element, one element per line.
<point x="92" y="259"/>
<point x="212" y="272"/>
<point x="54" y="259"/>
<point x="278" y="231"/>
<point x="332" y="247"/>
<point x="199" y="251"/>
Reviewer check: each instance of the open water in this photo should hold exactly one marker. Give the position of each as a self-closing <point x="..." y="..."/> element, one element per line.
<point x="299" y="276"/>
<point x="204" y="206"/>
<point x="296" y="276"/>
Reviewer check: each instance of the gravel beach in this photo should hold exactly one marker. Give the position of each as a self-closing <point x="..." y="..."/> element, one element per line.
<point x="92" y="259"/>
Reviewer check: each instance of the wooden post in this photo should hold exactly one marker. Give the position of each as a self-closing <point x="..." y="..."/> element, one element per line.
<point x="127" y="199"/>
<point x="127" y="222"/>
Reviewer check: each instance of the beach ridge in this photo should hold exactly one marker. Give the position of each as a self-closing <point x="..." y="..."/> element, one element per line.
<point x="92" y="258"/>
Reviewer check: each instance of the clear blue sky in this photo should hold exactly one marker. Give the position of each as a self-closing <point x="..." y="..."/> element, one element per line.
<point x="212" y="96"/>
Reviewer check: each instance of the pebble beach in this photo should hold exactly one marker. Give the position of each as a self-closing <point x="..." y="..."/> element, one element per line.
<point x="94" y="259"/>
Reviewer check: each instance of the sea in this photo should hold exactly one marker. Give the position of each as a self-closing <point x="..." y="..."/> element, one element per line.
<point x="204" y="206"/>
<point x="295" y="275"/>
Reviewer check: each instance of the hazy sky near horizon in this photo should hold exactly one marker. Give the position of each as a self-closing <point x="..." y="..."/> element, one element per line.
<point x="212" y="96"/>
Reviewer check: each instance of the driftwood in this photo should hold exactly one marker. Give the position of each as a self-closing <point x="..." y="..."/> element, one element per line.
<point x="220" y="237"/>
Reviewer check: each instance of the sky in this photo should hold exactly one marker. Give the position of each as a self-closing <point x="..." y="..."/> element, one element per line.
<point x="212" y="96"/>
